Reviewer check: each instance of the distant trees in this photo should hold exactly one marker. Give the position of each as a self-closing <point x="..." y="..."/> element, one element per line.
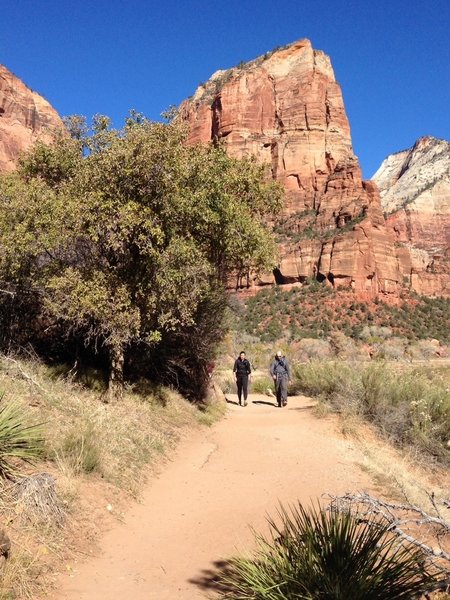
<point x="123" y="238"/>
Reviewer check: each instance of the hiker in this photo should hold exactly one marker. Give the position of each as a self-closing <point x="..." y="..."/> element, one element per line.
<point x="281" y="374"/>
<point x="242" y="371"/>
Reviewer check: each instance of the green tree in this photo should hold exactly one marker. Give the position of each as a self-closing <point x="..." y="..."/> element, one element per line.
<point x="125" y="234"/>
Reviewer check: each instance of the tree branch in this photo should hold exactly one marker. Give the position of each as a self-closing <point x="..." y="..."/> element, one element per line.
<point x="405" y="521"/>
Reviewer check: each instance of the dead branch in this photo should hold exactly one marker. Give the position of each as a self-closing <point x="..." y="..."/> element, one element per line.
<point x="23" y="374"/>
<point x="405" y="521"/>
<point x="37" y="494"/>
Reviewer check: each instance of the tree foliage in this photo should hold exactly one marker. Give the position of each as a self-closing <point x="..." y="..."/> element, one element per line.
<point x="122" y="236"/>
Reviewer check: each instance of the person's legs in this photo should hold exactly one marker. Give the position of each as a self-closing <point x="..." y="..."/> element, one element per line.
<point x="239" y="388"/>
<point x="284" y="389"/>
<point x="278" y="390"/>
<point x="245" y="388"/>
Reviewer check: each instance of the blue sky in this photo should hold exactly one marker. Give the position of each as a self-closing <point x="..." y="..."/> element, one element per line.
<point x="391" y="57"/>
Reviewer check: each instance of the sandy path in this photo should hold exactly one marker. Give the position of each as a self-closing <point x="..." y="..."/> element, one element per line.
<point x="199" y="510"/>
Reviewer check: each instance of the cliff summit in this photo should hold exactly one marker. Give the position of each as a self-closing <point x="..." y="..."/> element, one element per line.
<point x="25" y="116"/>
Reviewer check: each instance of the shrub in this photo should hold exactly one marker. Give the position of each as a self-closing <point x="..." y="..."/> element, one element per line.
<point x="373" y="331"/>
<point x="80" y="450"/>
<point x="310" y="348"/>
<point x="411" y="407"/>
<point x="18" y="439"/>
<point x="321" y="378"/>
<point x="392" y="349"/>
<point x="327" y="555"/>
<point x="227" y="384"/>
<point x="262" y="385"/>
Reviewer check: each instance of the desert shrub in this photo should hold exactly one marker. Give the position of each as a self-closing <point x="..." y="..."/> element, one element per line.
<point x="374" y="331"/>
<point x="318" y="554"/>
<point x="19" y="440"/>
<point x="344" y="347"/>
<point x="424" y="349"/>
<point x="411" y="407"/>
<point x="227" y="383"/>
<point x="314" y="349"/>
<point x="392" y="349"/>
<point x="261" y="385"/>
<point x="322" y="378"/>
<point x="80" y="449"/>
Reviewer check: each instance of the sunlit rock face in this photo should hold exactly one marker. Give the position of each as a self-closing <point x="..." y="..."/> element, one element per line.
<point x="25" y="116"/>
<point x="286" y="108"/>
<point x="415" y="195"/>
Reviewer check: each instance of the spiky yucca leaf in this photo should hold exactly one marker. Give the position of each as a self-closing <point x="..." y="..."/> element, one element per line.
<point x="18" y="438"/>
<point x="322" y="555"/>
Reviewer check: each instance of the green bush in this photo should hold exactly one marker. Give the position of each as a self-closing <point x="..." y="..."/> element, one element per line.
<point x="326" y="555"/>
<point x="19" y="440"/>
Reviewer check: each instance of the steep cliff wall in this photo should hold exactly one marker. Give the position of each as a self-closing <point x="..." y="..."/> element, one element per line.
<point x="287" y="109"/>
<point x="415" y="194"/>
<point x="24" y="117"/>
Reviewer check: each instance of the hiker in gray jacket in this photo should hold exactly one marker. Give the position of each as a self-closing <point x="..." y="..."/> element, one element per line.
<point x="281" y="374"/>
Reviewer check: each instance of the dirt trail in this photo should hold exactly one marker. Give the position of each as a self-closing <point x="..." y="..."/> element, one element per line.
<point x="199" y="510"/>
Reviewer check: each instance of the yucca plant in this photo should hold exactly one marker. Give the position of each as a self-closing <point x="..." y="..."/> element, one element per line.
<point x="324" y="555"/>
<point x="18" y="439"/>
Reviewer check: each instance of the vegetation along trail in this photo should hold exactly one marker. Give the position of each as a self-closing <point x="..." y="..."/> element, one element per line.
<point x="199" y="511"/>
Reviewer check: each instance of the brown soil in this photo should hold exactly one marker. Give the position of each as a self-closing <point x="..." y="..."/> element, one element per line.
<point x="221" y="482"/>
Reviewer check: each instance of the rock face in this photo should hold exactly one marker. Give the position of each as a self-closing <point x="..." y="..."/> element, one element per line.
<point x="415" y="194"/>
<point x="24" y="117"/>
<point x="287" y="109"/>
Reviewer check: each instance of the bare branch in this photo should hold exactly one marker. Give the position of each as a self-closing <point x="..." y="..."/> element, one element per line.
<point x="410" y="523"/>
<point x="23" y="373"/>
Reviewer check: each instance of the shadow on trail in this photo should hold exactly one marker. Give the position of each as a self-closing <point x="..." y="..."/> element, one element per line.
<point x="210" y="579"/>
<point x="231" y="401"/>
<point x="264" y="402"/>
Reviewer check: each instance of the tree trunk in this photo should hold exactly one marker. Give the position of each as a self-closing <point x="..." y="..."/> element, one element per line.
<point x="115" y="381"/>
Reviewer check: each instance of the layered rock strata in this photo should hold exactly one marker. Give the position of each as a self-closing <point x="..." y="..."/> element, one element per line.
<point x="25" y="116"/>
<point x="286" y="108"/>
<point x="415" y="194"/>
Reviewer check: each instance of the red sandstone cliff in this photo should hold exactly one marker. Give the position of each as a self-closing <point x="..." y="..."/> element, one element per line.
<point x="287" y="109"/>
<point x="24" y="117"/>
<point x="415" y="194"/>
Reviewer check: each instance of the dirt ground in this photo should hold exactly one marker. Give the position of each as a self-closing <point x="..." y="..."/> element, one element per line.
<point x="221" y="483"/>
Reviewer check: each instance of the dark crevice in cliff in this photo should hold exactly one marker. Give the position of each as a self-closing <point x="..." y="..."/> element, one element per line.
<point x="216" y="109"/>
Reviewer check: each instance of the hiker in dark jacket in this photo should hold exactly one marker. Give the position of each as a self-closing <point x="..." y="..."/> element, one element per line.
<point x="281" y="374"/>
<point x="242" y="371"/>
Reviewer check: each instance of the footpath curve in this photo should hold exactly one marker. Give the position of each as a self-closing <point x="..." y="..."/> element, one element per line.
<point x="220" y="483"/>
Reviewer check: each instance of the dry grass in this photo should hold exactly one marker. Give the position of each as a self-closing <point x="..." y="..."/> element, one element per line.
<point x="100" y="456"/>
<point x="410" y="406"/>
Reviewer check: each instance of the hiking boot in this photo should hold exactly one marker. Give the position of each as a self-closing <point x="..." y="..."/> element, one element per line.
<point x="245" y="403"/>
<point x="285" y="403"/>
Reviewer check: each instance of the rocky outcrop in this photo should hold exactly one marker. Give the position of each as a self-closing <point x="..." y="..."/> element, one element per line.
<point x="286" y="108"/>
<point x="415" y="194"/>
<point x="24" y="117"/>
